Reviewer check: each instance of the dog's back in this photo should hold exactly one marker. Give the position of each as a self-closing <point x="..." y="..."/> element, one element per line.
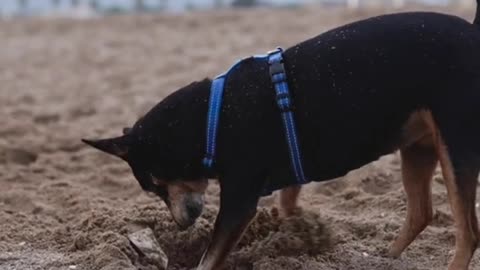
<point x="366" y="81"/>
<point x="355" y="88"/>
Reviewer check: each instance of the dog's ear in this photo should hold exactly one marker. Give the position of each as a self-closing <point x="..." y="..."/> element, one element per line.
<point x="126" y="130"/>
<point x="115" y="146"/>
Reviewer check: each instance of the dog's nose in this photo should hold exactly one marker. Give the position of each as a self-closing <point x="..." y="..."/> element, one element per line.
<point x="193" y="211"/>
<point x="189" y="219"/>
<point x="186" y="212"/>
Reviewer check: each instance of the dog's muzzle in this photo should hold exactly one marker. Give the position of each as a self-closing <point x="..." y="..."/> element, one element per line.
<point x="186" y="209"/>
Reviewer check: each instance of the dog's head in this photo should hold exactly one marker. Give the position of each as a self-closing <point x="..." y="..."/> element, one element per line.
<point x="164" y="150"/>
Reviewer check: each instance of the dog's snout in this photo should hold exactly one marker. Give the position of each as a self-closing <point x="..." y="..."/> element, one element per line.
<point x="193" y="210"/>
<point x="186" y="209"/>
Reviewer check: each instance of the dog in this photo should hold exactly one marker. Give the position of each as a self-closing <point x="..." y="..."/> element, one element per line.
<point x="407" y="82"/>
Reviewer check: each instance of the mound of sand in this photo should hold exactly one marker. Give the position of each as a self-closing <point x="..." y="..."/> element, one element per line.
<point x="64" y="206"/>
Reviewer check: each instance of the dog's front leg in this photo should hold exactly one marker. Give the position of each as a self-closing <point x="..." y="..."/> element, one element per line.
<point x="238" y="205"/>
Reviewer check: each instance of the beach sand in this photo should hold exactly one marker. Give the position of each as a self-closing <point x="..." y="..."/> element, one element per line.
<point x="66" y="206"/>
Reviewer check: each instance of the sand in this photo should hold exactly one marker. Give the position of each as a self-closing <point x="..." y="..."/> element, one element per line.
<point x="65" y="206"/>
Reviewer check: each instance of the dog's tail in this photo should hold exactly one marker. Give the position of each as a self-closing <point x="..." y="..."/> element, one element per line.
<point x="476" y="21"/>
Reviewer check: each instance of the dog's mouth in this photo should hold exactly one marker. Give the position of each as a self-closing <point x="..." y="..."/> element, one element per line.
<point x="186" y="209"/>
<point x="184" y="199"/>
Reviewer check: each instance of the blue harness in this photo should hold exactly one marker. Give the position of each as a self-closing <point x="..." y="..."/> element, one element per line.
<point x="279" y="79"/>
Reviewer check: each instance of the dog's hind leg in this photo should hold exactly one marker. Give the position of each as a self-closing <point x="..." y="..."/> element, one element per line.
<point x="418" y="163"/>
<point x="289" y="200"/>
<point x="460" y="170"/>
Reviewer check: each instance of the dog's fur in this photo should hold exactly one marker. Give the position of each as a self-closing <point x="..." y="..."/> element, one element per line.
<point x="407" y="81"/>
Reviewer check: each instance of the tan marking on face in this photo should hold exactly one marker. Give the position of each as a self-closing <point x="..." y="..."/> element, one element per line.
<point x="180" y="188"/>
<point x="182" y="192"/>
<point x="176" y="196"/>
<point x="198" y="186"/>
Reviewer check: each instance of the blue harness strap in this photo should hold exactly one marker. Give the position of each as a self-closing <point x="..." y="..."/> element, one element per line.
<point x="278" y="76"/>
<point x="279" y="79"/>
<point x="215" y="103"/>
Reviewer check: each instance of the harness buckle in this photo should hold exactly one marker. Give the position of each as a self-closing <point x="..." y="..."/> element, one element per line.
<point x="279" y="80"/>
<point x="276" y="68"/>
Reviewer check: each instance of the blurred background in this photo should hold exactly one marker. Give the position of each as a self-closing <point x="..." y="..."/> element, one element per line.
<point x="85" y="8"/>
<point x="72" y="69"/>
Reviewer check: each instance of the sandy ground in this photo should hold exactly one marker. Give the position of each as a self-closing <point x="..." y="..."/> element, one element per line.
<point x="64" y="206"/>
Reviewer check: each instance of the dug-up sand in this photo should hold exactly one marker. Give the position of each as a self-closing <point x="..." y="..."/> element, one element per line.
<point x="64" y="206"/>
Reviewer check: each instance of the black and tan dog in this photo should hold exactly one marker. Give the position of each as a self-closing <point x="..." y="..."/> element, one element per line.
<point x="407" y="81"/>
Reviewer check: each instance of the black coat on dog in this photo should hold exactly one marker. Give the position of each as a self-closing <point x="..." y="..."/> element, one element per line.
<point x="407" y="81"/>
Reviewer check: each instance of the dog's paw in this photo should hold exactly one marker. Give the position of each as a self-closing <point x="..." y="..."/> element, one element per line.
<point x="390" y="253"/>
